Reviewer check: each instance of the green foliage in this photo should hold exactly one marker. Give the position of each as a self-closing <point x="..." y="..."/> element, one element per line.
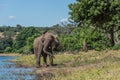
<point x="28" y="48"/>
<point x="94" y="39"/>
<point x="23" y="36"/>
<point x="119" y="33"/>
<point x="97" y="11"/>
<point x="8" y="49"/>
<point x="9" y="33"/>
<point x="101" y="14"/>
<point x="71" y="39"/>
<point x="5" y="42"/>
<point x="67" y="42"/>
<point x="116" y="47"/>
<point x="19" y="50"/>
<point x="18" y="28"/>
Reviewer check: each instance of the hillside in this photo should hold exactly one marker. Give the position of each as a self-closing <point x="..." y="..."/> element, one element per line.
<point x="1" y="35"/>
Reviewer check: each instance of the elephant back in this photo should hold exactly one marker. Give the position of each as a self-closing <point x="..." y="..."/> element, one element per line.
<point x="37" y="41"/>
<point x="49" y="36"/>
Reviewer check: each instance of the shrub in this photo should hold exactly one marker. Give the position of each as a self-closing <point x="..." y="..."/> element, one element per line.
<point x="116" y="47"/>
<point x="8" y="49"/>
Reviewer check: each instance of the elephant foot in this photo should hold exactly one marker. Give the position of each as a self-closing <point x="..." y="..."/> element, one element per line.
<point x="45" y="65"/>
<point x="38" y="66"/>
<point x="53" y="56"/>
<point x="51" y="65"/>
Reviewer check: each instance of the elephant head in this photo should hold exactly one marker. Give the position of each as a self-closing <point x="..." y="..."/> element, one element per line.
<point x="55" y="43"/>
<point x="50" y="41"/>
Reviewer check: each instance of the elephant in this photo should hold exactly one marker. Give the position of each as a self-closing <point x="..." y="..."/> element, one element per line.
<point x="43" y="46"/>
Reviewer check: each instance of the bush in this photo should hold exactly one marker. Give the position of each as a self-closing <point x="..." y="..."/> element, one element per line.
<point x="26" y="52"/>
<point x="20" y="50"/>
<point x="8" y="49"/>
<point x="94" y="40"/>
<point x="116" y="47"/>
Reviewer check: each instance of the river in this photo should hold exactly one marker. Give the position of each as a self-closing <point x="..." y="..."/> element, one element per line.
<point x="10" y="71"/>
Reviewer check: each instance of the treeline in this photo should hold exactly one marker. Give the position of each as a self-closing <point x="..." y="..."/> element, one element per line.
<point x="20" y="39"/>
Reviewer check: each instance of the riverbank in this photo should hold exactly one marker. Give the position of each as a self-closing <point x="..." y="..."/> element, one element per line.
<point x="91" y="65"/>
<point x="9" y="54"/>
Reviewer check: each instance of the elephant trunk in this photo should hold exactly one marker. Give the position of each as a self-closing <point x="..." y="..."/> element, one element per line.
<point x="48" y="53"/>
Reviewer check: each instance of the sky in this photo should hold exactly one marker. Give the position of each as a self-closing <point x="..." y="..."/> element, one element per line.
<point x="43" y="13"/>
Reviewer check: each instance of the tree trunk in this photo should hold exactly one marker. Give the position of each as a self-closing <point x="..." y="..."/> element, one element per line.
<point x="85" y="46"/>
<point x="111" y="36"/>
<point x="117" y="40"/>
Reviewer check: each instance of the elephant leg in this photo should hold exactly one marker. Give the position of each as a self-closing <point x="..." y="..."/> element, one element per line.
<point x="50" y="57"/>
<point x="51" y="60"/>
<point x="45" y="59"/>
<point x="37" y="56"/>
<point x="38" y="61"/>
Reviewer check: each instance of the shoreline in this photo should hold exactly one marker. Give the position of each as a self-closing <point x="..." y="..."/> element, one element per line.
<point x="9" y="54"/>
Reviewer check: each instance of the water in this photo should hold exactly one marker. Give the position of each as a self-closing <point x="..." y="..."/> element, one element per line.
<point x="9" y="71"/>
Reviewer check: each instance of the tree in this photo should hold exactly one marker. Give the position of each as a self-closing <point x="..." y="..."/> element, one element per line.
<point x="8" y="49"/>
<point x="23" y="36"/>
<point x="28" y="48"/>
<point x="101" y="14"/>
<point x="86" y="38"/>
<point x="57" y="29"/>
<point x="9" y="33"/>
<point x="18" y="28"/>
<point x="5" y="42"/>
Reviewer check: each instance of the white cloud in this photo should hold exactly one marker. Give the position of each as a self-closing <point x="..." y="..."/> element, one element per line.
<point x="11" y="17"/>
<point x="64" y="20"/>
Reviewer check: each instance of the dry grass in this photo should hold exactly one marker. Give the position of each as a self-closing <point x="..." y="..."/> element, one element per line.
<point x="92" y="65"/>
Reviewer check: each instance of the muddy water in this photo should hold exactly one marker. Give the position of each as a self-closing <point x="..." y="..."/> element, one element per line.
<point x="9" y="71"/>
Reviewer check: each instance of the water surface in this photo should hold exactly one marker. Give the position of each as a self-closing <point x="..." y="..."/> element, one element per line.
<point x="9" y="71"/>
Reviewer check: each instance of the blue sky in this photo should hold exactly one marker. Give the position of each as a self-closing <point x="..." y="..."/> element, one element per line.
<point x="43" y="13"/>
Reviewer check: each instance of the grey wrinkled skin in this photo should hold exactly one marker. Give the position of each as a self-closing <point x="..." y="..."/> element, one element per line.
<point x="45" y="48"/>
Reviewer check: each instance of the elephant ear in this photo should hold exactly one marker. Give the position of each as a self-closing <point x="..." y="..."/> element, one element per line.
<point x="56" y="36"/>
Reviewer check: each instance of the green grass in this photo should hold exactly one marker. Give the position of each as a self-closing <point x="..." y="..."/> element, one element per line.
<point x="92" y="65"/>
<point x="26" y="60"/>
